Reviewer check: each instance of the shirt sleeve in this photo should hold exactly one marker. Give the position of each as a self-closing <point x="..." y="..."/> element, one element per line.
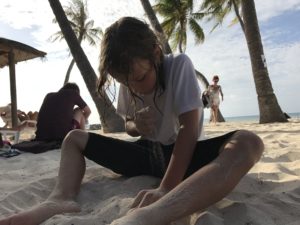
<point x="187" y="93"/>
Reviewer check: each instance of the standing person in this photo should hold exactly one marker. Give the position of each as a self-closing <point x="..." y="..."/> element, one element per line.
<point x="57" y="115"/>
<point x="159" y="99"/>
<point x="214" y="92"/>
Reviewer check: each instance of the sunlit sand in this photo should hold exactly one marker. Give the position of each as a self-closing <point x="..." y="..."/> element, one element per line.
<point x="268" y="195"/>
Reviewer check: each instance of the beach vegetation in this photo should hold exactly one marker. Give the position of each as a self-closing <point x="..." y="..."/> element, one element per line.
<point x="110" y="120"/>
<point x="186" y="11"/>
<point x="83" y="27"/>
<point x="178" y="16"/>
<point x="217" y="10"/>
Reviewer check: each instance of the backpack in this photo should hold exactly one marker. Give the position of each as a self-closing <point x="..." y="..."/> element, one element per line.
<point x="205" y="99"/>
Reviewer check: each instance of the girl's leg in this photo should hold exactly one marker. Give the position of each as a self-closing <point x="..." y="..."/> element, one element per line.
<point x="62" y="198"/>
<point x="214" y="118"/>
<point x="216" y="113"/>
<point x="206" y="186"/>
<point x="123" y="157"/>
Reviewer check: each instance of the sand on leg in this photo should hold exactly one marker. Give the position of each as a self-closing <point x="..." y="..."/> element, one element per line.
<point x="62" y="198"/>
<point x="205" y="187"/>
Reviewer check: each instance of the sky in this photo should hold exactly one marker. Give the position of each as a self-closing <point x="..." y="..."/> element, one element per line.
<point x="224" y="52"/>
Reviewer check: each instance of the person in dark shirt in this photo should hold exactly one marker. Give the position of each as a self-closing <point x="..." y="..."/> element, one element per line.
<point x="57" y="115"/>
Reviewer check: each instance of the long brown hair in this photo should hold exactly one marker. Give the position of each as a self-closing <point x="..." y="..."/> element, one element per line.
<point x="125" y="40"/>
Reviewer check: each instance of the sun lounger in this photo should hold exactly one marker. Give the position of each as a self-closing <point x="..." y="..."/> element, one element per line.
<point x="15" y="132"/>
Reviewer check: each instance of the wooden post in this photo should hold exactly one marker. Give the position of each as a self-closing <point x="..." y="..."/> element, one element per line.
<point x="13" y="90"/>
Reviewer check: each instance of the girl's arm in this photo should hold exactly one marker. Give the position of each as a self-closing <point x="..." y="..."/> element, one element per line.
<point x="183" y="150"/>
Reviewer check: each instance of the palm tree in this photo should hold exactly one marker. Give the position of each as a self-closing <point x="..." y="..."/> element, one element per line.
<point x="156" y="26"/>
<point x="161" y="35"/>
<point x="269" y="108"/>
<point x="77" y="14"/>
<point x="110" y="121"/>
<point x="167" y="49"/>
<point x="178" y="15"/>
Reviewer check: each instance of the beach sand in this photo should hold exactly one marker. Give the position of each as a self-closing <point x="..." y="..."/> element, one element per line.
<point x="268" y="195"/>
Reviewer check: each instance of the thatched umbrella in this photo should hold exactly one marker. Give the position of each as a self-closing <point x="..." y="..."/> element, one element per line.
<point x="12" y="52"/>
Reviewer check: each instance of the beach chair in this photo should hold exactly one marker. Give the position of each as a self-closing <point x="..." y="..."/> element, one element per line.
<point x="8" y="131"/>
<point x="14" y="133"/>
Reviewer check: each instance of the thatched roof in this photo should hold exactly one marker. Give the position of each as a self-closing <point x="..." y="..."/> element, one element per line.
<point x="12" y="52"/>
<point x="21" y="51"/>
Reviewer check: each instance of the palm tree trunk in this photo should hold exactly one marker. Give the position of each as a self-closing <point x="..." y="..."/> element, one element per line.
<point x="166" y="47"/>
<point x="269" y="108"/>
<point x="156" y="26"/>
<point x="237" y="13"/>
<point x="67" y="78"/>
<point x="110" y="121"/>
<point x="162" y="37"/>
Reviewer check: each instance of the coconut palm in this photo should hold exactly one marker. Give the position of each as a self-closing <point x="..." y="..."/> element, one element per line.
<point x="166" y="47"/>
<point x="110" y="121"/>
<point x="217" y="10"/>
<point x="269" y="108"/>
<point x="83" y="27"/>
<point x="156" y="26"/>
<point x="178" y="16"/>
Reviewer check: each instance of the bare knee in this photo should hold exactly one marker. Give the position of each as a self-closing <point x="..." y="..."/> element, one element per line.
<point x="75" y="139"/>
<point x="250" y="146"/>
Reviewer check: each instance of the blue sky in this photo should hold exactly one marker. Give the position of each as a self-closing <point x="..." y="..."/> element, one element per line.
<point x="224" y="52"/>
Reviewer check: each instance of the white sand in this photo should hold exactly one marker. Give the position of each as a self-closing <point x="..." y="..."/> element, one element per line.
<point x="268" y="195"/>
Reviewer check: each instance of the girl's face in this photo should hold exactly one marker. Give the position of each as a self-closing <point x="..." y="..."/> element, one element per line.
<point x="142" y="80"/>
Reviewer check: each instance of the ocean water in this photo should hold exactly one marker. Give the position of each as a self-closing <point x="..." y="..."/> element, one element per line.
<point x="252" y="118"/>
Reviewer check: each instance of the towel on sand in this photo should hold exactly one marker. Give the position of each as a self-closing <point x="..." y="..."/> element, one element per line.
<point x="35" y="146"/>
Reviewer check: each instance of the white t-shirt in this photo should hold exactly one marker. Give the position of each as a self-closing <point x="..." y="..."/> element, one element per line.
<point x="182" y="94"/>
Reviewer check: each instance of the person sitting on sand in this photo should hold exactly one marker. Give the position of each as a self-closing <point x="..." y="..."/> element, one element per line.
<point x="159" y="99"/>
<point x="33" y="115"/>
<point x="57" y="115"/>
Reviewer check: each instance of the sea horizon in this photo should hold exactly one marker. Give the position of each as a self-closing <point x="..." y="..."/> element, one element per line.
<point x="251" y="118"/>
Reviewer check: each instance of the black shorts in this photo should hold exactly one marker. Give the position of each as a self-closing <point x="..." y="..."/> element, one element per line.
<point x="144" y="157"/>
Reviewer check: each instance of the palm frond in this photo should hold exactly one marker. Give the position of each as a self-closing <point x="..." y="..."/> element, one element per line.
<point x="197" y="31"/>
<point x="58" y="36"/>
<point x="176" y="14"/>
<point x="217" y="10"/>
<point x="233" y="22"/>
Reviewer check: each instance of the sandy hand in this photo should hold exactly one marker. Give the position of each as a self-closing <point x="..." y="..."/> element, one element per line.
<point x="145" y="121"/>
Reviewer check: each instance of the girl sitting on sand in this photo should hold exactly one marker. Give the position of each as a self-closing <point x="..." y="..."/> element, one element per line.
<point x="159" y="99"/>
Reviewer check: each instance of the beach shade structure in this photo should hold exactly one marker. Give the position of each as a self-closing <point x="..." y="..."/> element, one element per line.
<point x="12" y="52"/>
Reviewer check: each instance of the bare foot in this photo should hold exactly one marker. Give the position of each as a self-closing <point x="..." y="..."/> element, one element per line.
<point x="41" y="213"/>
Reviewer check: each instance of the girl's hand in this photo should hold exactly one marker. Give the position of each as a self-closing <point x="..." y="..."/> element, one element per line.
<point x="147" y="197"/>
<point x="145" y="121"/>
